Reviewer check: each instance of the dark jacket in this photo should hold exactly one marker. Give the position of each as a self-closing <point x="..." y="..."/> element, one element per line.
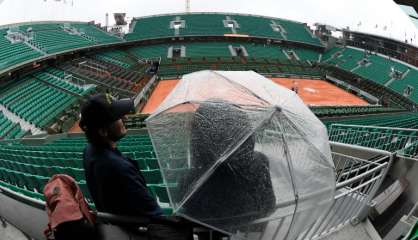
<point x="116" y="184"/>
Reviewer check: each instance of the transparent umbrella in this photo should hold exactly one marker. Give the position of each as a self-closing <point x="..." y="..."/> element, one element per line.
<point x="242" y="155"/>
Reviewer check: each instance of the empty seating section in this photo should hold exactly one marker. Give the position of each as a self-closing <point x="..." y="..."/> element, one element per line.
<point x="28" y="167"/>
<point x="9" y="129"/>
<point x="117" y="57"/>
<point x="307" y="54"/>
<point x="176" y="67"/>
<point x="204" y="25"/>
<point x="210" y="49"/>
<point x="379" y="69"/>
<point x="98" y="35"/>
<point x="220" y="49"/>
<point x="14" y="53"/>
<point x="388" y="139"/>
<point x="52" y="38"/>
<point x="151" y="27"/>
<point x="411" y="79"/>
<point x="102" y="78"/>
<point x="126" y="76"/>
<point x="257" y="26"/>
<point x="298" y="32"/>
<point x="400" y="120"/>
<point x="349" y="58"/>
<point x="56" y="78"/>
<point x="215" y="24"/>
<point x="331" y="53"/>
<point x="49" y="38"/>
<point x="36" y="102"/>
<point x="350" y="110"/>
<point x="264" y="51"/>
<point x="150" y="51"/>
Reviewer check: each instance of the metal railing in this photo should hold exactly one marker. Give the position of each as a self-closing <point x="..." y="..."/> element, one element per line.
<point x="359" y="173"/>
<point x="403" y="141"/>
<point x="358" y="180"/>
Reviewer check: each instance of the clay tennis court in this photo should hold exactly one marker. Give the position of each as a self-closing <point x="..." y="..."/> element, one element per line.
<point x="321" y="93"/>
<point x="312" y="92"/>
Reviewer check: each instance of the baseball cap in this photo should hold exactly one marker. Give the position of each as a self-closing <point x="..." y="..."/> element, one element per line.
<point x="102" y="109"/>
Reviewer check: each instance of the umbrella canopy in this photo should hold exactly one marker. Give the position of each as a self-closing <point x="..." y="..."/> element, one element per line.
<point x="242" y="155"/>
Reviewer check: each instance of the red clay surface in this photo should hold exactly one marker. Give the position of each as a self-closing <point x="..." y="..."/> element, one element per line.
<point x="321" y="93"/>
<point x="159" y="94"/>
<point x="312" y="92"/>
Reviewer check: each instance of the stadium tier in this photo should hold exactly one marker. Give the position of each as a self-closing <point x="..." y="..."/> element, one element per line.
<point x="118" y="57"/>
<point x="223" y="49"/>
<point x="9" y="129"/>
<point x="14" y="53"/>
<point x="217" y="24"/>
<point x="327" y="111"/>
<point x="383" y="70"/>
<point x="52" y="38"/>
<point x="41" y="97"/>
<point x="27" y="168"/>
<point x="388" y="139"/>
<point x="177" y="67"/>
<point x="95" y="34"/>
<point x="108" y="76"/>
<point x="399" y="120"/>
<point x="21" y="43"/>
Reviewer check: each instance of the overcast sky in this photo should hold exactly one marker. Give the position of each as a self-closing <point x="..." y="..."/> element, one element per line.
<point x="361" y="15"/>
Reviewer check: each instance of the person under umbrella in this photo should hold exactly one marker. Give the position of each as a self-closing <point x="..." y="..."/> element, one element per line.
<point x="240" y="189"/>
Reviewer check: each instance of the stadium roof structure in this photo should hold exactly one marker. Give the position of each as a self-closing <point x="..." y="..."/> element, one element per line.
<point x="410" y="7"/>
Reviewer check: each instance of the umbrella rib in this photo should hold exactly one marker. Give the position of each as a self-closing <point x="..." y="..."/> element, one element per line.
<point x="302" y="134"/>
<point x="290" y="169"/>
<point x="241" y="86"/>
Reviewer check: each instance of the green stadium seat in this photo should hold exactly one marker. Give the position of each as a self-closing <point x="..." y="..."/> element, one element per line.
<point x="161" y="192"/>
<point x="152" y="176"/>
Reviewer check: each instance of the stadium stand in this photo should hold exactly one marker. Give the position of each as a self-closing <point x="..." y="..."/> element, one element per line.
<point x="327" y="111"/>
<point x="377" y="68"/>
<point x="258" y="26"/>
<point x="36" y="102"/>
<point x="223" y="49"/>
<point x="150" y="27"/>
<point x="204" y="24"/>
<point x="110" y="77"/>
<point x="27" y="168"/>
<point x="56" y="78"/>
<point x="210" y="49"/>
<point x="150" y="51"/>
<point x="118" y="57"/>
<point x="307" y="54"/>
<point x="331" y="53"/>
<point x="400" y="120"/>
<point x="409" y="81"/>
<point x="264" y="51"/>
<point x="95" y="34"/>
<point x="218" y="24"/>
<point x="298" y="32"/>
<point x="9" y="129"/>
<point x="14" y="53"/>
<point x="349" y="59"/>
<point x="26" y="42"/>
<point x="57" y="37"/>
<point x="52" y="38"/>
<point x="388" y="139"/>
